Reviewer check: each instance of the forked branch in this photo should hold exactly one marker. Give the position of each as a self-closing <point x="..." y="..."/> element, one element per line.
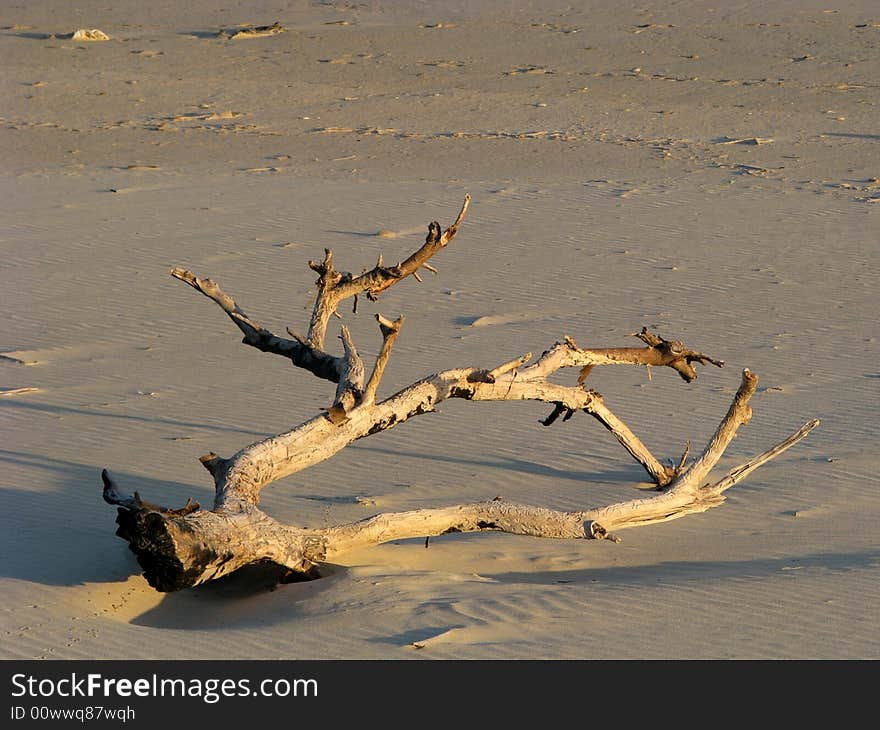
<point x="335" y="286"/>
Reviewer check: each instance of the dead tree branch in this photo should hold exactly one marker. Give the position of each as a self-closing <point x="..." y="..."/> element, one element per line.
<point x="186" y="547"/>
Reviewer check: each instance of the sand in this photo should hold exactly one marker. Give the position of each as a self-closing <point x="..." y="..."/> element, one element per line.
<point x="709" y="171"/>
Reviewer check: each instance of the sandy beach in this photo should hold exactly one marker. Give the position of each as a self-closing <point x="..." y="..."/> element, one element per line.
<point x="710" y="171"/>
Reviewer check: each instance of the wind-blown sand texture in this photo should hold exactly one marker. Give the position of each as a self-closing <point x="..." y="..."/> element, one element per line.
<point x="710" y="172"/>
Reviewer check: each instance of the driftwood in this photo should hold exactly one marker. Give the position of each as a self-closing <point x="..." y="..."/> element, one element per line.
<point x="188" y="546"/>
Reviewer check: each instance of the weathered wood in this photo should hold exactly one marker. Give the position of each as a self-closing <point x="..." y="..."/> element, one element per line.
<point x="301" y="353"/>
<point x="334" y="286"/>
<point x="186" y="547"/>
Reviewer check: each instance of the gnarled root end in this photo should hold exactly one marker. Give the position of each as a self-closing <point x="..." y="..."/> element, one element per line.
<point x="183" y="548"/>
<point x="182" y="552"/>
<point x="151" y="538"/>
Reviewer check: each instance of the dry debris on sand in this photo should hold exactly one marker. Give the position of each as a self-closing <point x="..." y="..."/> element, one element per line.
<point x="253" y="31"/>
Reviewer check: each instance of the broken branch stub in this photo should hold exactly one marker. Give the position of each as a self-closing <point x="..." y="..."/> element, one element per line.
<point x="189" y="546"/>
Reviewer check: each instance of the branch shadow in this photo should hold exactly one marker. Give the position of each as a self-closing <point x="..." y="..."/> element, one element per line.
<point x="690" y="571"/>
<point x="59" y="531"/>
<point x="38" y="36"/>
<point x="45" y="408"/>
<point x="851" y="135"/>
<point x="204" y="34"/>
<point x="362" y="234"/>
<point x="250" y="597"/>
<point x="627" y="474"/>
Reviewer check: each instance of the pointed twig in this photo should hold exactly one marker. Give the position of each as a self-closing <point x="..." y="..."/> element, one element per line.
<point x="559" y="409"/>
<point x="214" y="464"/>
<point x="389" y="330"/>
<point x="584" y="373"/>
<point x="351" y="384"/>
<point x="739" y="413"/>
<point x="112" y="495"/>
<point x="325" y="300"/>
<point x="743" y="470"/>
<point x="683" y="459"/>
<point x="379" y="279"/>
<point x="507" y="367"/>
<point x="297" y="336"/>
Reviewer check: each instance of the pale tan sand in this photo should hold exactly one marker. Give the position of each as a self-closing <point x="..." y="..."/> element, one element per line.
<point x="710" y="173"/>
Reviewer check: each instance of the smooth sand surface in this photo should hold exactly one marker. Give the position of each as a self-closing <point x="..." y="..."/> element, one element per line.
<point x="709" y="170"/>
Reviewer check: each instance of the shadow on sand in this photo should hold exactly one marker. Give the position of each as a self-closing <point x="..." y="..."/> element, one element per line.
<point x="61" y="532"/>
<point x="63" y="535"/>
<point x="250" y="597"/>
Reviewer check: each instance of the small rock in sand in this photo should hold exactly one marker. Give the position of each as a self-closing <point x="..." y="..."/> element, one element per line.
<point x="94" y="34"/>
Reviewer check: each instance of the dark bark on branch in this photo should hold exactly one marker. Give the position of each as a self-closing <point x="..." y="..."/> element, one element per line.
<point x="300" y="353"/>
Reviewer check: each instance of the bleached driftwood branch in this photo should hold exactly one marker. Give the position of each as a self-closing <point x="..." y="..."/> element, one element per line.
<point x="186" y="547"/>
